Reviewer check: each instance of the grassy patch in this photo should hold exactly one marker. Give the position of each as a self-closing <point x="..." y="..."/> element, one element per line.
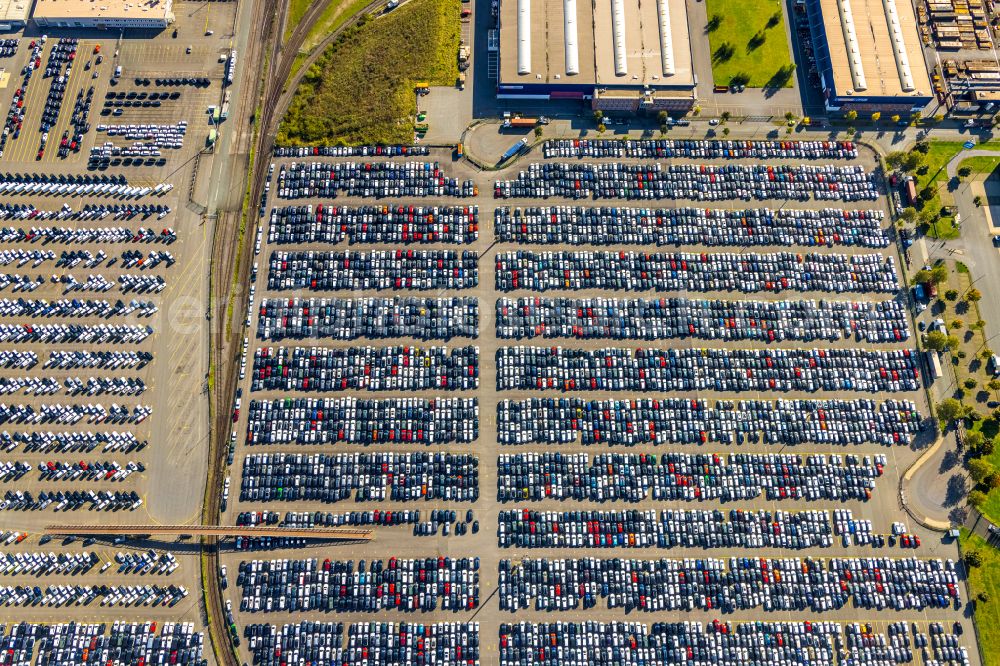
<point x="985" y="579"/>
<point x="334" y="16"/>
<point x="296" y="10"/>
<point x="360" y="91"/>
<point x="748" y="42"/>
<point x="981" y="166"/>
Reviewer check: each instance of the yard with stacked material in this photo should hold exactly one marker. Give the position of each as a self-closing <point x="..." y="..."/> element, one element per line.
<point x="748" y="43"/>
<point x="361" y="90"/>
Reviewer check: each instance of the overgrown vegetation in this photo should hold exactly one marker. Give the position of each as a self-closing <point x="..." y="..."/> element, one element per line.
<point x="983" y="563"/>
<point x="361" y="90"/>
<point x="748" y="43"/>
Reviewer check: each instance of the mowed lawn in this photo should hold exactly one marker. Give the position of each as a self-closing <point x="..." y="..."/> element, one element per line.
<point x="765" y="63"/>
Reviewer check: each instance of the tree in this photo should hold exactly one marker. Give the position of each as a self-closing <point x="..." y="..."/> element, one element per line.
<point x="971" y="383"/>
<point x="602" y="128"/>
<point x="979" y="469"/>
<point x="598" y="116"/>
<point x="973" y="439"/>
<point x="926" y="194"/>
<point x="789" y="116"/>
<point x="978" y="325"/>
<point x="977" y="498"/>
<point x="726" y="116"/>
<point x="964" y="172"/>
<point x="876" y="116"/>
<point x="939" y="274"/>
<point x="993" y="385"/>
<point x="714" y="21"/>
<point x="936" y="341"/>
<point x="986" y="354"/>
<point x="538" y="132"/>
<point x="950" y="409"/>
<point x="895" y="160"/>
<point x="973" y="295"/>
<point x="895" y="118"/>
<point x="909" y="214"/>
<point x="922" y="277"/>
<point x="912" y="161"/>
<point x="851" y="116"/>
<point x="923" y="147"/>
<point x="973" y="559"/>
<point x="951" y="294"/>
<point x="952" y="341"/>
<point x="725" y="131"/>
<point x="774" y="19"/>
<point x="983" y="597"/>
<point x="956" y="324"/>
<point x="977" y="200"/>
<point x="986" y="448"/>
<point x="993" y="480"/>
<point x="915" y="118"/>
<point x="662" y="117"/>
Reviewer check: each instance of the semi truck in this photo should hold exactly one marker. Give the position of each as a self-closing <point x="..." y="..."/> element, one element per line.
<point x="513" y="150"/>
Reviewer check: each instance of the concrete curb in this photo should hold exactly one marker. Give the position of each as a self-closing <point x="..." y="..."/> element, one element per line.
<point x="929" y="523"/>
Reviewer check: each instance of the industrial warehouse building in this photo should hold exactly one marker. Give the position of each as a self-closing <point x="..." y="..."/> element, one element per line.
<point x="14" y="14"/>
<point x="103" y="13"/>
<point x="869" y="55"/>
<point x="620" y="55"/>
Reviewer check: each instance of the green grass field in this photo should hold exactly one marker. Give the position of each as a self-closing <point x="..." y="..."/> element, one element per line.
<point x="360" y="91"/>
<point x="737" y="49"/>
<point x="296" y="10"/>
<point x="985" y="579"/>
<point x="334" y="16"/>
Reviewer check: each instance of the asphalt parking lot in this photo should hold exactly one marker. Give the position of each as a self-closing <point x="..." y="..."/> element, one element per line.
<point x="162" y="455"/>
<point x="874" y="511"/>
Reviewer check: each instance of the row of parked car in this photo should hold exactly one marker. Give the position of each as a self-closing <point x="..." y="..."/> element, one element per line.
<point x="71" y="500"/>
<point x="700" y="182"/>
<point x="69" y="414"/>
<point x="81" y="185"/>
<point x="79" y="235"/>
<point x="363" y="421"/>
<point x="744" y="272"/>
<point x="711" y="477"/>
<point x="105" y="360"/>
<point x="722" y="643"/>
<point x="97" y="470"/>
<point x="47" y="564"/>
<point x="29" y="385"/>
<point x="373" y="224"/>
<point x="368" y="643"/>
<point x="268" y="477"/>
<point x="81" y="642"/>
<point x="378" y="269"/>
<point x="396" y="368"/>
<point x="672" y="318"/>
<point x="698" y="421"/>
<point x="713" y="227"/>
<point x="327" y="180"/>
<point x="75" y="441"/>
<point x="351" y="151"/>
<point x="674" y="528"/>
<point x="74" y="333"/>
<point x="373" y="318"/>
<point x="689" y="369"/>
<point x="65" y="307"/>
<point x="741" y="583"/>
<point x="336" y="586"/>
<point x="701" y="149"/>
<point x="11" y="211"/>
<point x="305" y="519"/>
